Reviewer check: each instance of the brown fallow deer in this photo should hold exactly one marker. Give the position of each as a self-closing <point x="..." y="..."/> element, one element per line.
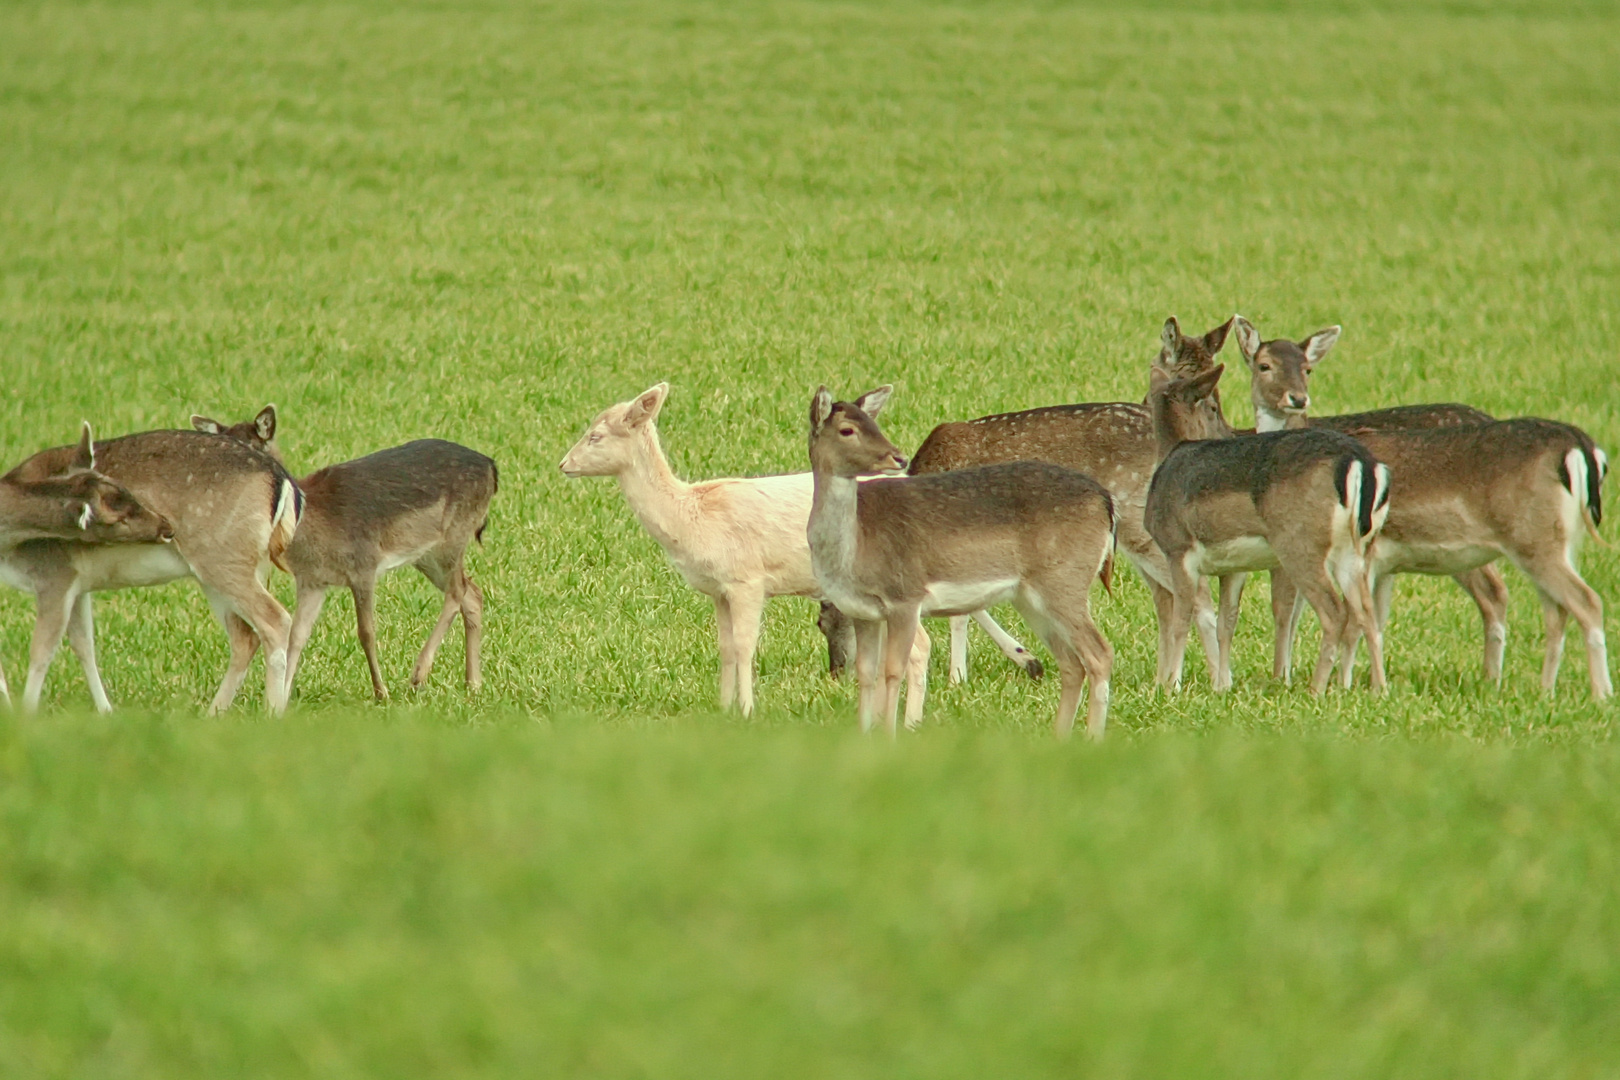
<point x="233" y="511"/>
<point x="81" y="505"/>
<point x="889" y="551"/>
<point x="418" y="505"/>
<point x="1307" y="501"/>
<point x="737" y="540"/>
<point x="1279" y="387"/>
<point x="1114" y="443"/>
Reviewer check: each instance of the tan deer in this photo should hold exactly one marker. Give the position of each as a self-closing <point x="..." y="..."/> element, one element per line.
<point x="420" y="504"/>
<point x="1279" y="387"/>
<point x="737" y="540"/>
<point x="1307" y="501"/>
<point x="887" y="552"/>
<point x="1114" y="443"/>
<point x="232" y="510"/>
<point x="80" y="504"/>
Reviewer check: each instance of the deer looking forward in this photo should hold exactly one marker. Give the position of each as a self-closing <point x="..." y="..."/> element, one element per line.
<point x="232" y="510"/>
<point x="1307" y="501"/>
<point x="1279" y="387"/>
<point x="418" y="505"/>
<point x="80" y="504"/>
<point x="737" y="540"/>
<point x="1114" y="443"/>
<point x="889" y="551"/>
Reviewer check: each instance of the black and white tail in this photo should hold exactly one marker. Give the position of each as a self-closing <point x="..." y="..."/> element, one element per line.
<point x="1367" y="502"/>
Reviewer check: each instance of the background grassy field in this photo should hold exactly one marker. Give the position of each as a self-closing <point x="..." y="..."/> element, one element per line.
<point x="486" y="222"/>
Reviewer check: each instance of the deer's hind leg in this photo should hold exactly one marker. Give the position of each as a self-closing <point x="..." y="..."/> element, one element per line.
<point x="451" y="579"/>
<point x="1563" y="593"/>
<point x="365" y="618"/>
<point x="81" y="635"/>
<point x="54" y="606"/>
<point x="1490" y="595"/>
<point x="1333" y="613"/>
<point x="264" y="616"/>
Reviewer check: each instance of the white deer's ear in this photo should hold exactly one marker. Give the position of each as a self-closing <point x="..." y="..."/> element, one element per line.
<point x="1248" y="337"/>
<point x="820" y="407"/>
<point x="207" y="426"/>
<point x="85" y="456"/>
<point x="645" y="408"/>
<point x="1317" y="345"/>
<point x="872" y="402"/>
<point x="265" y="423"/>
<point x="1170" y="337"/>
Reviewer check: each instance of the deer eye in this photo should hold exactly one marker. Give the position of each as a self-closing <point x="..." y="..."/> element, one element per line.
<point x="846" y="432"/>
<point x="596" y="437"/>
<point x="1265" y="367"/>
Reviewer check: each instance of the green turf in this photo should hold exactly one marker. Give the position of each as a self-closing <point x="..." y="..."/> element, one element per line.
<point x="488" y="221"/>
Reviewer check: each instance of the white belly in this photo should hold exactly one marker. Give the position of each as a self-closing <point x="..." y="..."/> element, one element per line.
<point x="961" y="598"/>
<point x="1237" y="555"/>
<point x="125" y="566"/>
<point x="1393" y="557"/>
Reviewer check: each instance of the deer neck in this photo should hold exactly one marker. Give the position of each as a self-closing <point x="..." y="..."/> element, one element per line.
<point x="834" y="525"/>
<point x="25" y="517"/>
<point x="656" y="496"/>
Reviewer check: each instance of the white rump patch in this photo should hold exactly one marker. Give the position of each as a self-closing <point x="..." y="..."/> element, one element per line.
<point x="86" y="516"/>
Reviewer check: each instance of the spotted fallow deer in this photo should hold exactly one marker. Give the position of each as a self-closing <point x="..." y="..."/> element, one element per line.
<point x="737" y="540"/>
<point x="80" y="504"/>
<point x="889" y="551"/>
<point x="1307" y="501"/>
<point x="1279" y="387"/>
<point x="420" y="504"/>
<point x="233" y="511"/>
<point x="1112" y="442"/>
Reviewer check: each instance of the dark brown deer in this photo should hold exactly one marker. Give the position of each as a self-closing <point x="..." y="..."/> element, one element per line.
<point x="81" y="504"/>
<point x="232" y="511"/>
<point x="1279" y="387"/>
<point x="1307" y="501"/>
<point x="889" y="551"/>
<point x="1112" y="442"/>
<point x="418" y="505"/>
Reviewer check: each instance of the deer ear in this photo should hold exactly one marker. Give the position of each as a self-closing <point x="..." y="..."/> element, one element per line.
<point x="1248" y="338"/>
<point x="1158" y="379"/>
<point x="820" y="408"/>
<point x="1317" y="345"/>
<point x="1217" y="337"/>
<point x="265" y="423"/>
<point x="207" y="426"/>
<point x="645" y="408"/>
<point x="1201" y="386"/>
<point x="85" y="456"/>
<point x="872" y="402"/>
<point x="1170" y="336"/>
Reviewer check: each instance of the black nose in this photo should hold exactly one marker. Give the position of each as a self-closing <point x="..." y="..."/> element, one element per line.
<point x="1297" y="401"/>
<point x="900" y="461"/>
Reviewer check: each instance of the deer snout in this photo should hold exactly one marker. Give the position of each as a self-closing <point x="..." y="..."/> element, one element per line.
<point x="165" y="532"/>
<point x="1297" y="402"/>
<point x="898" y="462"/>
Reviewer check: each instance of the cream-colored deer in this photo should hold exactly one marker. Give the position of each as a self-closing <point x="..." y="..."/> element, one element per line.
<point x="738" y="541"/>
<point x="233" y="511"/>
<point x="1307" y="501"/>
<point x="888" y="552"/>
<point x="420" y="504"/>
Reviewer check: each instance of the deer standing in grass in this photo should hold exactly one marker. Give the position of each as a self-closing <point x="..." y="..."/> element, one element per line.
<point x="80" y="504"/>
<point x="889" y="551"/>
<point x="232" y="511"/>
<point x="1112" y="442"/>
<point x="418" y="505"/>
<point x="736" y="540"/>
<point x="1279" y="387"/>
<point x="1307" y="501"/>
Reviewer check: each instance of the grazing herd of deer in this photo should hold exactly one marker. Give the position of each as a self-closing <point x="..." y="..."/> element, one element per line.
<point x="1029" y="507"/>
<point x="1025" y="507"/>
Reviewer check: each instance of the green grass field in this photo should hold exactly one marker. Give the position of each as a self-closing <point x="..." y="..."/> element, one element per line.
<point x="488" y="221"/>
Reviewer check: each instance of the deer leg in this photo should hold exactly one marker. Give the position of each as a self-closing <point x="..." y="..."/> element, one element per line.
<point x="1333" y="614"/>
<point x="452" y="582"/>
<point x="5" y="690"/>
<point x="1208" y="624"/>
<point x="81" y="635"/>
<point x="1286" y="604"/>
<point x="1231" y="599"/>
<point x="1490" y="595"/>
<point x="836" y="627"/>
<point x="244" y="643"/>
<point x="310" y="601"/>
<point x="1363" y="623"/>
<point x="1164" y="602"/>
<point x="922" y="648"/>
<point x="728" y="652"/>
<point x="50" y="622"/>
<point x="365" y="618"/>
<point x="899" y="637"/>
<point x="746" y="605"/>
<point x="1563" y="593"/>
<point x="959" y="646"/>
<point x="1009" y="645"/>
<point x="868" y="662"/>
<point x="1183" y="587"/>
<point x="472" y="624"/>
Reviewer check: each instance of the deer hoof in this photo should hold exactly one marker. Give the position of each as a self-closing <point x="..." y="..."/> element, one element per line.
<point x="1034" y="669"/>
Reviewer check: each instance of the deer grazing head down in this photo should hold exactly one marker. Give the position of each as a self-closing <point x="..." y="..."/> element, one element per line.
<point x="845" y="439"/>
<point x="1280" y="374"/>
